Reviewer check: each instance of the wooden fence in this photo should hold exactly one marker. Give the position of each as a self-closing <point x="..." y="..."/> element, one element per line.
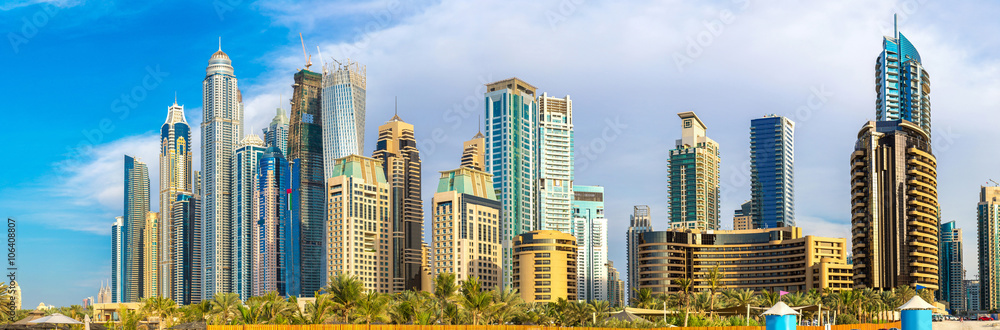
<point x="515" y="327"/>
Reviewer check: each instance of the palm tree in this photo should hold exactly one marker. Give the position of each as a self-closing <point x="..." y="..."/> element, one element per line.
<point x="224" y="307"/>
<point x="743" y="297"/>
<point x="476" y="302"/>
<point x="160" y="307"/>
<point x="444" y="293"/>
<point x="713" y="279"/>
<point x="319" y="311"/>
<point x="344" y="292"/>
<point x="507" y="305"/>
<point x="643" y="298"/>
<point x="685" y="284"/>
<point x="372" y="308"/>
<point x="602" y="309"/>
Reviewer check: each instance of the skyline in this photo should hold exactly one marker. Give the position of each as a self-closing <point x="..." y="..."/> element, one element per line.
<point x="640" y="175"/>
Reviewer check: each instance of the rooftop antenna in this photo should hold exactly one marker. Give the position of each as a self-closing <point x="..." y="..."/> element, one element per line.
<point x="396" y="110"/>
<point x="895" y="26"/>
<point x="304" y="54"/>
<point x="175" y="97"/>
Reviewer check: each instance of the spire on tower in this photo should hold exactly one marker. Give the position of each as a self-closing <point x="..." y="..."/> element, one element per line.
<point x="175" y="98"/>
<point x="220" y="43"/>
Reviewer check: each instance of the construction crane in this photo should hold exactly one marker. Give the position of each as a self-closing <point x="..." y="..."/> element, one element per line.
<point x="994" y="182"/>
<point x="304" y="54"/>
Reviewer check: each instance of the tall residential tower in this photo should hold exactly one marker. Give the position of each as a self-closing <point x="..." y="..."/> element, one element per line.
<point x="397" y="150"/>
<point x="988" y="214"/>
<point x="772" y="173"/>
<point x="175" y="179"/>
<point x="511" y="155"/>
<point x="894" y="207"/>
<point x="221" y="130"/>
<point x="590" y="228"/>
<point x="639" y="223"/>
<point x="694" y="177"/>
<point x="343" y="118"/>
<point x="246" y="168"/>
<point x="555" y="163"/>
<point x="902" y="85"/>
<point x="136" y="209"/>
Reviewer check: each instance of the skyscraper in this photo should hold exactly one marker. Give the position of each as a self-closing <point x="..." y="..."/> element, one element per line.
<point x="772" y="175"/>
<point x="902" y="85"/>
<point x="465" y="213"/>
<point x="308" y="204"/>
<point x="151" y="256"/>
<point x="136" y="207"/>
<point x="590" y="228"/>
<point x="511" y="155"/>
<point x="269" y="235"/>
<point x="639" y="223"/>
<point x="175" y="179"/>
<point x="246" y="164"/>
<point x="988" y="216"/>
<point x="276" y="133"/>
<point x="951" y="267"/>
<point x="474" y="153"/>
<point x="616" y="287"/>
<point x="187" y="251"/>
<point x="357" y="240"/>
<point x="343" y="116"/>
<point x="221" y="130"/>
<point x="894" y="207"/>
<point x="694" y="177"/>
<point x="397" y="150"/>
<point x="555" y="164"/>
<point x="117" y="259"/>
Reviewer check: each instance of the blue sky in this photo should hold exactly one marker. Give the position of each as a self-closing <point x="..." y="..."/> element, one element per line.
<point x="100" y="75"/>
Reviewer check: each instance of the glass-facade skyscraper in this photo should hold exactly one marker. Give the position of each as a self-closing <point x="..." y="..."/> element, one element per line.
<point x="308" y="203"/>
<point x="175" y="179"/>
<point x="186" y="252"/>
<point x="221" y="130"/>
<point x="134" y="220"/>
<point x="951" y="267"/>
<point x="511" y="155"/>
<point x="902" y="85"/>
<point x="772" y="173"/>
<point x="246" y="162"/>
<point x="269" y="231"/>
<point x="555" y="164"/>
<point x="694" y="177"/>
<point x="343" y="98"/>
<point x="590" y="228"/>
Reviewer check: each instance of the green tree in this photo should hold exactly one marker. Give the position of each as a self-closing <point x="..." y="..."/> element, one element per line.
<point x="475" y="302"/>
<point x="225" y="308"/>
<point x="372" y="308"/>
<point x="344" y="292"/>
<point x="161" y="308"/>
<point x="741" y="298"/>
<point x="643" y="298"/>
<point x="685" y="295"/>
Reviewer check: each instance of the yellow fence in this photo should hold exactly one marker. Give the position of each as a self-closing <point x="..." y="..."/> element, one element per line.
<point x="513" y="327"/>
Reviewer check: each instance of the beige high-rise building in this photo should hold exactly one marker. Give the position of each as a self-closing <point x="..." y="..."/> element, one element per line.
<point x="150" y="256"/>
<point x="894" y="207"/>
<point x="359" y="214"/>
<point x="988" y="246"/>
<point x="175" y="180"/>
<point x="466" y="227"/>
<point x="773" y="259"/>
<point x="474" y="153"/>
<point x="545" y="266"/>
